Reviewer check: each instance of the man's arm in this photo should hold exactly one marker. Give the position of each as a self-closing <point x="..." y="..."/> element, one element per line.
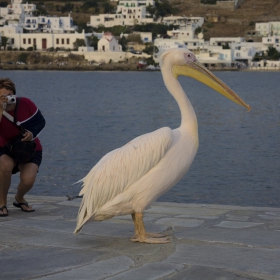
<point x="35" y="124"/>
<point x="3" y="100"/>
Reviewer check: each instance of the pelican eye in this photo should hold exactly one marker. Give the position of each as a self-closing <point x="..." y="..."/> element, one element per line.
<point x="189" y="57"/>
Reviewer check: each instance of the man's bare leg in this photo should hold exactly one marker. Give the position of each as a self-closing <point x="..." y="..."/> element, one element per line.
<point x="28" y="173"/>
<point x="6" y="167"/>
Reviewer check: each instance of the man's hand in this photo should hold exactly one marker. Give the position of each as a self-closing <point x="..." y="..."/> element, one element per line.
<point x="3" y="102"/>
<point x="27" y="136"/>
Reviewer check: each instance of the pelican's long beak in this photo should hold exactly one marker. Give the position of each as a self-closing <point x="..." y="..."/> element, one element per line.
<point x="199" y="72"/>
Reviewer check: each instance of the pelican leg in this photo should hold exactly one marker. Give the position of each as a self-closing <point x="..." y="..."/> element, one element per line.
<point x="142" y="236"/>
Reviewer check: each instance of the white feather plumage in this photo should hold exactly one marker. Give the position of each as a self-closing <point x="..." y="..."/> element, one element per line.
<point x="117" y="172"/>
<point x="128" y="179"/>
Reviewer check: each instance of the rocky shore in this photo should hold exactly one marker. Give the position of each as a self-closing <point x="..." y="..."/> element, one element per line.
<point x="44" y="67"/>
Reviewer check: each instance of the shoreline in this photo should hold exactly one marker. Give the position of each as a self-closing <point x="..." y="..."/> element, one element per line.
<point x="104" y="67"/>
<point x="118" y="67"/>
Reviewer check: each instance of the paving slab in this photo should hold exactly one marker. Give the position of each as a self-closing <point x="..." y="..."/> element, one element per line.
<point x="150" y="271"/>
<point x="35" y="262"/>
<point x="94" y="271"/>
<point x="231" y="224"/>
<point x="207" y="242"/>
<point x="239" y="258"/>
<point x="207" y="273"/>
<point x="253" y="237"/>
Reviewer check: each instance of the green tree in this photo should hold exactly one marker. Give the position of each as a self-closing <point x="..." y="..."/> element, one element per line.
<point x="93" y="41"/>
<point x="4" y="4"/>
<point x="40" y="9"/>
<point x="108" y="8"/>
<point x="83" y="26"/>
<point x="4" y="42"/>
<point x="115" y="30"/>
<point x="90" y="4"/>
<point x="198" y="30"/>
<point x="68" y="7"/>
<point x="150" y="49"/>
<point x="151" y="10"/>
<point x="272" y="53"/>
<point x="79" y="43"/>
<point x="163" y="8"/>
<point x="156" y="29"/>
<point x="123" y="43"/>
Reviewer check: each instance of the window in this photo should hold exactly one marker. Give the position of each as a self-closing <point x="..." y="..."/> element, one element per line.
<point x="13" y="41"/>
<point x="29" y="41"/>
<point x="67" y="41"/>
<point x="34" y="42"/>
<point x="57" y="41"/>
<point x="62" y="41"/>
<point x="24" y="41"/>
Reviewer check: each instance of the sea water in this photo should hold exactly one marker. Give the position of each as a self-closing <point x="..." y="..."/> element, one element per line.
<point x="88" y="114"/>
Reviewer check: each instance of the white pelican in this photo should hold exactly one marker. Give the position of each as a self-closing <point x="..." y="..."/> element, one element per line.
<point x="128" y="179"/>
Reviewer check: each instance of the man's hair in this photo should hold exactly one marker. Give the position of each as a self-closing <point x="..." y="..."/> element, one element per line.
<point x="7" y="84"/>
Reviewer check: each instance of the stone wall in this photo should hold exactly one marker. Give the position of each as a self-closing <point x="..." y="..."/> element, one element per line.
<point x="106" y="57"/>
<point x="228" y="5"/>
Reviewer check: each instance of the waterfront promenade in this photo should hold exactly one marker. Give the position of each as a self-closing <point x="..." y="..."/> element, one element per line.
<point x="207" y="242"/>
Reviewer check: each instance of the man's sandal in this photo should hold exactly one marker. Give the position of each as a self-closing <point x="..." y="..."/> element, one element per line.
<point x="2" y="209"/>
<point x="19" y="205"/>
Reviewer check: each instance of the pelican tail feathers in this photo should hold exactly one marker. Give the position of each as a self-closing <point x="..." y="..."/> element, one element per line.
<point x="119" y="169"/>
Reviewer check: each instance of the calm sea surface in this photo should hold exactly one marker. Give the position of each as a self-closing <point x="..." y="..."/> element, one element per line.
<point x="89" y="114"/>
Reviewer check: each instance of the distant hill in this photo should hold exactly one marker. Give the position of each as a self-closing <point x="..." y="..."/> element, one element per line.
<point x="230" y="23"/>
<point x="218" y="22"/>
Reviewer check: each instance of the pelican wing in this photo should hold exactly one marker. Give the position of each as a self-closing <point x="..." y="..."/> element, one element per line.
<point x="122" y="167"/>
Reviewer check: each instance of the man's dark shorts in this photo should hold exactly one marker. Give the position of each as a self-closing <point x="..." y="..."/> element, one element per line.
<point x="37" y="159"/>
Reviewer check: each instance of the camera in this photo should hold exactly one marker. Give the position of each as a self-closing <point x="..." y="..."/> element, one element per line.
<point x="11" y="99"/>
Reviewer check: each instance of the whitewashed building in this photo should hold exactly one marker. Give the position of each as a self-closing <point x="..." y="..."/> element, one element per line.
<point x="185" y="33"/>
<point x="43" y="41"/>
<point x="183" y="21"/>
<point x="215" y="56"/>
<point x="129" y="12"/>
<point x="50" y="24"/>
<point x="273" y="41"/>
<point x="268" y="28"/>
<point x="246" y="51"/>
<point x="108" y="43"/>
<point x="15" y="12"/>
<point x="222" y="41"/>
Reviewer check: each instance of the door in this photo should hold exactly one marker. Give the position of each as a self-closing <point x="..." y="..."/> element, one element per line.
<point x="44" y="44"/>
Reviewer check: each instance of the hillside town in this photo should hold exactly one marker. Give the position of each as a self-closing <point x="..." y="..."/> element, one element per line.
<point x="21" y="30"/>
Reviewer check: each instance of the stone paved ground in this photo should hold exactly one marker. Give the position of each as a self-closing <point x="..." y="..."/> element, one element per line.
<point x="208" y="242"/>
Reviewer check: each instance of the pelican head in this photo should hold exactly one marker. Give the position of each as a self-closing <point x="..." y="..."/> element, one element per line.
<point x="183" y="62"/>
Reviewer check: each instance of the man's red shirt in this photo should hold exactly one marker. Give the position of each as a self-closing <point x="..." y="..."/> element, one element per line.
<point x="8" y="130"/>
